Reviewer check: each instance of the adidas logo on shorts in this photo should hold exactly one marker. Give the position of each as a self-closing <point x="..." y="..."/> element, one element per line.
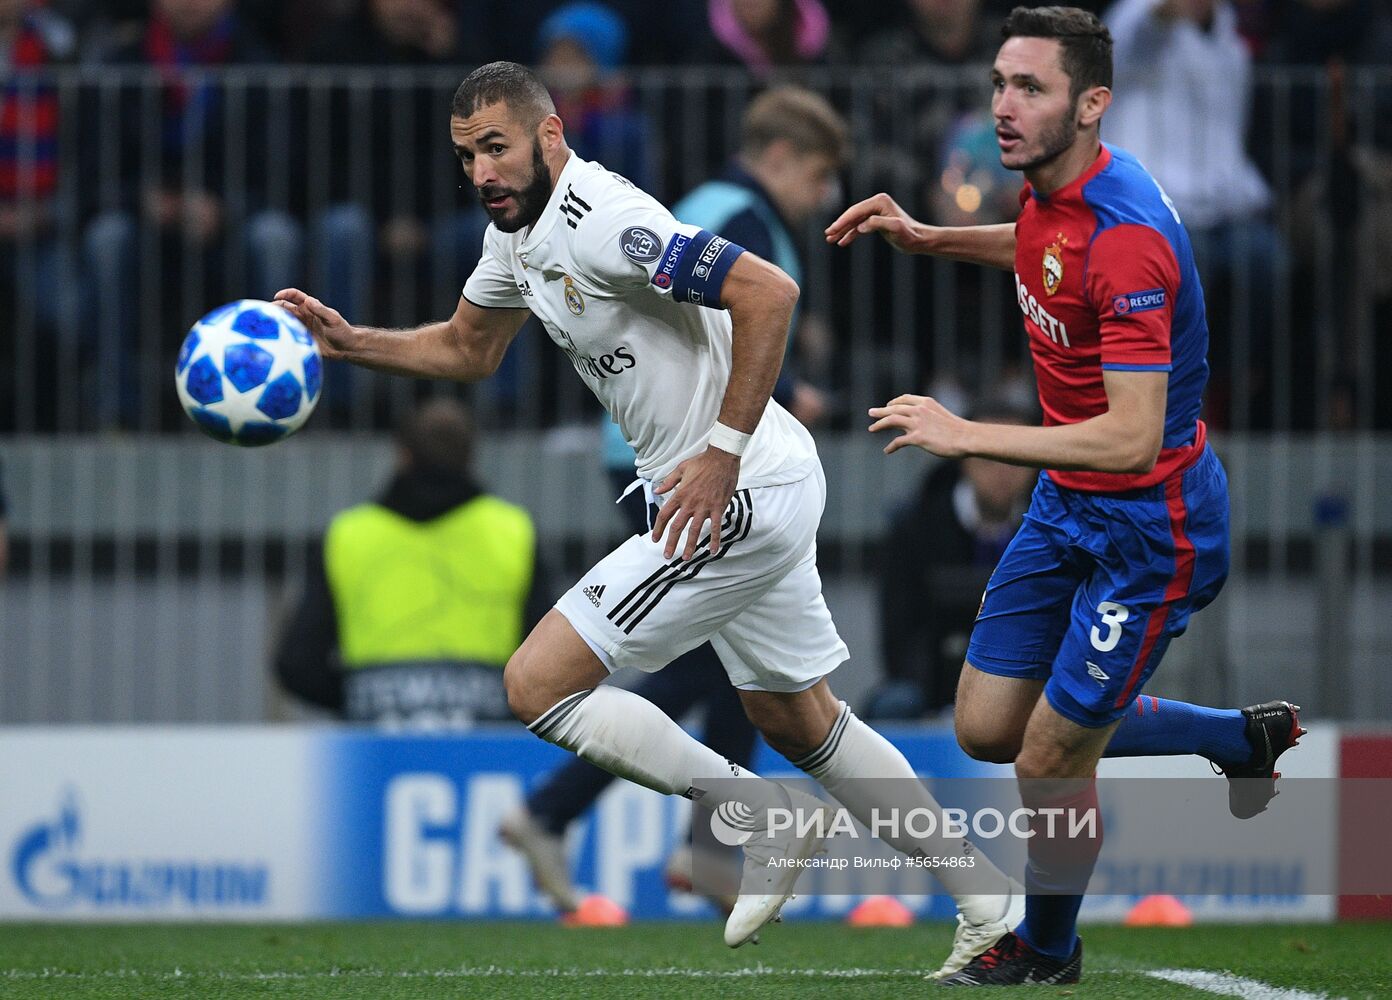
<point x="594" y="593"/>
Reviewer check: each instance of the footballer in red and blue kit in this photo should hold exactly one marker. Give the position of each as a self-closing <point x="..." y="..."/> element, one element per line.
<point x="1108" y="566"/>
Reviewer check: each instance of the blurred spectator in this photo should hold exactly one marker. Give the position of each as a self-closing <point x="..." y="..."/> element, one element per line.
<point x="931" y="135"/>
<point x="393" y="33"/>
<point x="179" y="190"/>
<point x="580" y="49"/>
<point x="1180" y="105"/>
<point x="927" y="138"/>
<point x="95" y="20"/>
<point x="294" y="27"/>
<point x="1334" y="36"/>
<point x="766" y="35"/>
<point x="37" y="283"/>
<point x="1340" y="126"/>
<point x="1340" y="133"/>
<point x="938" y="33"/>
<point x="406" y="211"/>
<point x="1181" y="94"/>
<point x="949" y="535"/>
<point x="421" y="596"/>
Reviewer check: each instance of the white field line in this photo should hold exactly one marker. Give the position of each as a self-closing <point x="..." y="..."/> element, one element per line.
<point x="1228" y="985"/>
<point x="1220" y="983"/>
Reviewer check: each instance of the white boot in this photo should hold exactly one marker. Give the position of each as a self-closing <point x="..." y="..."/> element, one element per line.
<point x="767" y="882"/>
<point x="973" y="939"/>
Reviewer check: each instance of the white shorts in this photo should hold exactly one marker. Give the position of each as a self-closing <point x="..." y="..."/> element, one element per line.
<point x="758" y="600"/>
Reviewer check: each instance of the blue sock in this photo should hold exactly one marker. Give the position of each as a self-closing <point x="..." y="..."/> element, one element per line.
<point x="1059" y="865"/>
<point x="1051" y="923"/>
<point x="1157" y="727"/>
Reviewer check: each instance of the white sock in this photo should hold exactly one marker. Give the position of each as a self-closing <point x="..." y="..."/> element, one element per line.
<point x="851" y="763"/>
<point x="628" y="735"/>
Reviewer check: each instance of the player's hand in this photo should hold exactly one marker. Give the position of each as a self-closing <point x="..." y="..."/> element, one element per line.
<point x="925" y="423"/>
<point x="879" y="214"/>
<point x="701" y="489"/>
<point x="333" y="333"/>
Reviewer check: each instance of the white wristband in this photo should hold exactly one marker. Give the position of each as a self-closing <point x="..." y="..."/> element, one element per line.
<point x="728" y="439"/>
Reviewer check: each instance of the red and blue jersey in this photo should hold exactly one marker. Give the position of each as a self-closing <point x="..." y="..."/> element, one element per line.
<point x="1105" y="276"/>
<point x="29" y="113"/>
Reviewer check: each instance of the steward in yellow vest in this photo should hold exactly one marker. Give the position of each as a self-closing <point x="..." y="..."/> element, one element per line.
<point x="420" y="597"/>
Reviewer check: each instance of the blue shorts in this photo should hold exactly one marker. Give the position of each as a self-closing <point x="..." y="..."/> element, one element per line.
<point x="1095" y="585"/>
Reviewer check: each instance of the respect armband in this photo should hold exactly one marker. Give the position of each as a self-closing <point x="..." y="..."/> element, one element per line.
<point x="694" y="267"/>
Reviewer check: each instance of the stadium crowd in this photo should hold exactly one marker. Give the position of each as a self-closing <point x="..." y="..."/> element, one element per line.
<point x="1281" y="183"/>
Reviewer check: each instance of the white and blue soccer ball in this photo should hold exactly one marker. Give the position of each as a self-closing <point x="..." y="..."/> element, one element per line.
<point x="249" y="373"/>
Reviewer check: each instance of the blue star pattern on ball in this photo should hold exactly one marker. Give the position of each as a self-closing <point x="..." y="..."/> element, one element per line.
<point x="249" y="373"/>
<point x="281" y="398"/>
<point x="246" y="365"/>
<point x="205" y="381"/>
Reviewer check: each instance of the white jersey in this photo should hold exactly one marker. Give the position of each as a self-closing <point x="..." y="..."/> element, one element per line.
<point x="621" y="286"/>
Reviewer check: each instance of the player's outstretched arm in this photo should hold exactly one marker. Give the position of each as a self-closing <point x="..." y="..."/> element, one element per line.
<point x="760" y="298"/>
<point x="1125" y="438"/>
<point x="992" y="246"/>
<point x="467" y="347"/>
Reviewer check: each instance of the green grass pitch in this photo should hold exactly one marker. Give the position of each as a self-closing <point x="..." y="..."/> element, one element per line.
<point x="656" y="960"/>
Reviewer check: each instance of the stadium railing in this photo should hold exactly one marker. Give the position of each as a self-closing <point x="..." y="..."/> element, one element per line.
<point x="147" y="561"/>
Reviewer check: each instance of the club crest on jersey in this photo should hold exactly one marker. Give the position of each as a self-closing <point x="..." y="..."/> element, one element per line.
<point x="640" y="245"/>
<point x="575" y="302"/>
<point x="1053" y="264"/>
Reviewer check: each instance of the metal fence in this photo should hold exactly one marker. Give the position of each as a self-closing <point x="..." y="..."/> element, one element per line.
<point x="148" y="564"/>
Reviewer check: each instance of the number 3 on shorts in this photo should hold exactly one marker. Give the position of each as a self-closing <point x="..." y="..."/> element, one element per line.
<point x="1113" y="615"/>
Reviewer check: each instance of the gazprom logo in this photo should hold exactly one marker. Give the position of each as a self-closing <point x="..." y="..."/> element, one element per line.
<point x="1151" y="298"/>
<point x="51" y="871"/>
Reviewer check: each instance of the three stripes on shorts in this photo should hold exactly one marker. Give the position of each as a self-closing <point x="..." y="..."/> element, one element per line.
<point x="734" y="527"/>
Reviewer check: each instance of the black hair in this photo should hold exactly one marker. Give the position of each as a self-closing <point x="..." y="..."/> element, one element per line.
<point x="439" y="437"/>
<point x="508" y="83"/>
<point x="1085" y="42"/>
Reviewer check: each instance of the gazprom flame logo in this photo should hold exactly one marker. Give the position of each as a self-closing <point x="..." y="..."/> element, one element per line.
<point x="53" y="870"/>
<point x="732" y="823"/>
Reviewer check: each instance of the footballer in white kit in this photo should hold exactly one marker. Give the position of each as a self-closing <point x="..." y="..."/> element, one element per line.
<point x="639" y="303"/>
<point x="619" y="285"/>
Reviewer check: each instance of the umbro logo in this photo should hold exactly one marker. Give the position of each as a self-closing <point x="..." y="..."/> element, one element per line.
<point x="1097" y="673"/>
<point x="594" y="593"/>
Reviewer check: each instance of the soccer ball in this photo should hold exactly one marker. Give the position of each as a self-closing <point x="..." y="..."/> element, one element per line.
<point x="249" y="373"/>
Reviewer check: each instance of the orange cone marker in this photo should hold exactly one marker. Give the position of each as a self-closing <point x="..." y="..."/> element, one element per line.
<point x="596" y="911"/>
<point x="880" y="911"/>
<point x="1159" y="911"/>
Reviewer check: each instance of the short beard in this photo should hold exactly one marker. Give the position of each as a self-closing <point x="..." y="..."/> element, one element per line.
<point x="531" y="200"/>
<point x="1055" y="142"/>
